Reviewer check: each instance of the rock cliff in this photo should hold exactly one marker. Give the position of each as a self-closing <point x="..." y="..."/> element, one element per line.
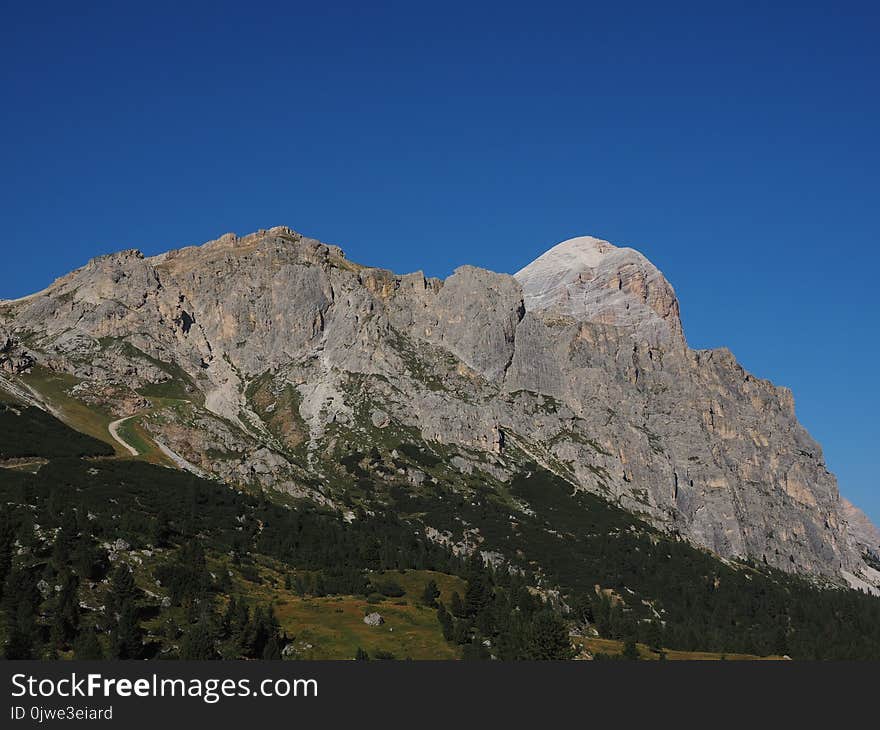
<point x="271" y="359"/>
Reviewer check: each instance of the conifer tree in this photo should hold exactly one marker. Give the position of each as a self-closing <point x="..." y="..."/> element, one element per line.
<point x="87" y="645"/>
<point x="272" y="650"/>
<point x="22" y="639"/>
<point x="547" y="637"/>
<point x="654" y="635"/>
<point x="477" y="595"/>
<point x="21" y="600"/>
<point x="122" y="590"/>
<point x="65" y="611"/>
<point x="630" y="650"/>
<point x="65" y="539"/>
<point x="456" y="606"/>
<point x="7" y="540"/>
<point x="431" y="594"/>
<point x="198" y="642"/>
<point x="127" y="635"/>
<point x="87" y="559"/>
<point x="446" y="623"/>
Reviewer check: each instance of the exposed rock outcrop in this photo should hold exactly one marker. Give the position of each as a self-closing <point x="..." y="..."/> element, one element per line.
<point x="863" y="532"/>
<point x="277" y="344"/>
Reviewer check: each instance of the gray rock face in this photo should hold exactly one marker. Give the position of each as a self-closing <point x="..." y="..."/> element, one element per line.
<point x="278" y="346"/>
<point x="862" y="531"/>
<point x="13" y="359"/>
<point x="591" y="280"/>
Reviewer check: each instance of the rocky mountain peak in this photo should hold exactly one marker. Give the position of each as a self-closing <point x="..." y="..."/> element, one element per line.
<point x="861" y="529"/>
<point x="594" y="281"/>
<point x="233" y="254"/>
<point x="275" y="349"/>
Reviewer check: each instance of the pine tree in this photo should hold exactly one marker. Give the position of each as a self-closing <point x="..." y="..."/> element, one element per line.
<point x="87" y="646"/>
<point x="22" y="633"/>
<point x="272" y="651"/>
<point x="446" y="623"/>
<point x="547" y="637"/>
<point x="65" y="611"/>
<point x="127" y="635"/>
<point x="261" y="630"/>
<point x="461" y="634"/>
<point x="122" y="590"/>
<point x="430" y="594"/>
<point x="654" y="635"/>
<point x="485" y="622"/>
<point x="198" y="642"/>
<point x="87" y="559"/>
<point x="21" y="600"/>
<point x="478" y="595"/>
<point x="582" y="609"/>
<point x="239" y="627"/>
<point x="7" y="540"/>
<point x="602" y="614"/>
<point x="780" y="642"/>
<point x="456" y="606"/>
<point x="65" y="539"/>
<point x="299" y="586"/>
<point x="630" y="650"/>
<point x="361" y="655"/>
<point x="474" y="651"/>
<point x="20" y="585"/>
<point x="161" y="531"/>
<point x="228" y="620"/>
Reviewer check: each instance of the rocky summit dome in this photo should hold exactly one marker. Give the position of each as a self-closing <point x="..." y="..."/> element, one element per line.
<point x="592" y="280"/>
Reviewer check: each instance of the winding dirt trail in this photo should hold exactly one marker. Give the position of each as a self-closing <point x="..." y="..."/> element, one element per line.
<point x="113" y="428"/>
<point x="113" y="432"/>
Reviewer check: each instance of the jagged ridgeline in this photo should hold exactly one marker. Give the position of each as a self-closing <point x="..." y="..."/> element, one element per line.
<point x="119" y="558"/>
<point x="545" y="443"/>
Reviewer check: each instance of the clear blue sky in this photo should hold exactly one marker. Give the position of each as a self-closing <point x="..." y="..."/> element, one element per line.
<point x="736" y="147"/>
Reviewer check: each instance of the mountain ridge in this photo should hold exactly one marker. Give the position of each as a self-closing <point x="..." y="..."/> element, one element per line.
<point x="288" y="350"/>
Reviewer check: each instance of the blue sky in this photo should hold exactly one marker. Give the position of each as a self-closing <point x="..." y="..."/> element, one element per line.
<point x="736" y="147"/>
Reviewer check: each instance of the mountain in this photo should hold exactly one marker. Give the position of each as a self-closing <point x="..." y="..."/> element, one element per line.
<point x="271" y="361"/>
<point x="862" y="532"/>
<point x="590" y="280"/>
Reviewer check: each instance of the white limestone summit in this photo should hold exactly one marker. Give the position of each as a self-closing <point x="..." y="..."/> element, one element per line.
<point x="592" y="280"/>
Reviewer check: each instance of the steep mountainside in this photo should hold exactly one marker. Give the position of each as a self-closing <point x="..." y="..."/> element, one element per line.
<point x="271" y="360"/>
<point x="863" y="533"/>
<point x="104" y="556"/>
